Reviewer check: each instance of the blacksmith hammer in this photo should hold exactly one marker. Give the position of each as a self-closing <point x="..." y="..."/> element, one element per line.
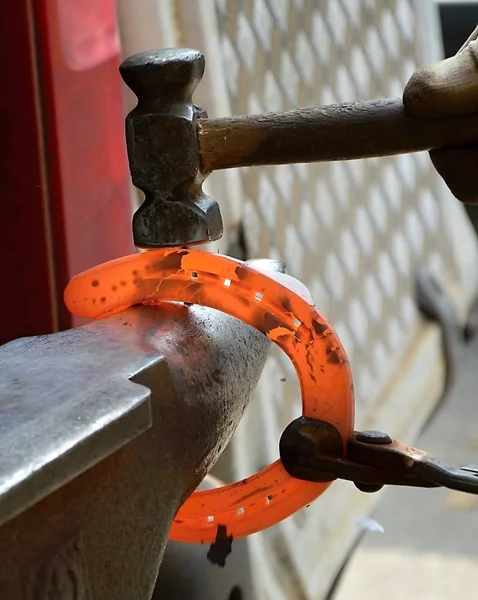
<point x="173" y="146"/>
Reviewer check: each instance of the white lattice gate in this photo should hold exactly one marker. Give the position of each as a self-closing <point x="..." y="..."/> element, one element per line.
<point x="353" y="232"/>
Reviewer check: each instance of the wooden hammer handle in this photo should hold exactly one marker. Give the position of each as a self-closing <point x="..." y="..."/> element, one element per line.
<point x="336" y="132"/>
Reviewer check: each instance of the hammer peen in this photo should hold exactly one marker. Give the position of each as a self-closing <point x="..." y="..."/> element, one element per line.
<point x="173" y="146"/>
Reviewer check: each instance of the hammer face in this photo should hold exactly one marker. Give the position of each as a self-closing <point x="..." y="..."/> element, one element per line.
<point x="161" y="135"/>
<point x="172" y="222"/>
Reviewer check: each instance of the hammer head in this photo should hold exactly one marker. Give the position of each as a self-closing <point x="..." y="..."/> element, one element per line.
<point x="161" y="137"/>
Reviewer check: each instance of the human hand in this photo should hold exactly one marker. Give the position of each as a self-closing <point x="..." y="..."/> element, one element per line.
<point x="447" y="89"/>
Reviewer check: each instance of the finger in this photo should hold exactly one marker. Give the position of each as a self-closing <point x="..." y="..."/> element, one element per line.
<point x="447" y="88"/>
<point x="459" y="168"/>
<point x="472" y="38"/>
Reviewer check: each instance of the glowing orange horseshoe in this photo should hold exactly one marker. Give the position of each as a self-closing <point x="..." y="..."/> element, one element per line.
<point x="286" y="318"/>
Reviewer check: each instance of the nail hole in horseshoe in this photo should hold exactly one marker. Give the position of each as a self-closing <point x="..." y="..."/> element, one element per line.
<point x="194" y="275"/>
<point x="240" y="511"/>
<point x="210" y="519"/>
<point x="258" y="296"/>
<point x="227" y="283"/>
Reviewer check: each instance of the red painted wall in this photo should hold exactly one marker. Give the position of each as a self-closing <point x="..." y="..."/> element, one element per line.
<point x="64" y="178"/>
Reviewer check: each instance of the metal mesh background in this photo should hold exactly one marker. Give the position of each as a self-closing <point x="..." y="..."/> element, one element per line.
<point x="353" y="232"/>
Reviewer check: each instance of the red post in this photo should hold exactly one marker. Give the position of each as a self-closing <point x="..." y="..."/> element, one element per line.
<point x="64" y="178"/>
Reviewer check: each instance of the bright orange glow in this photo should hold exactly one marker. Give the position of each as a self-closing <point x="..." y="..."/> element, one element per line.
<point x="267" y="304"/>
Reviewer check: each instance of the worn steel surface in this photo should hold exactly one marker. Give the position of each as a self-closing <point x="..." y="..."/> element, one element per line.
<point x="106" y="429"/>
<point x="163" y="152"/>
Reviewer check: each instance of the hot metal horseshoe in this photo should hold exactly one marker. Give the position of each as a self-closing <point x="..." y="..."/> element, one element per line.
<point x="269" y="306"/>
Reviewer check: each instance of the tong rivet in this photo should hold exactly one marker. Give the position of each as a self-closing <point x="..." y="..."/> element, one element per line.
<point x="373" y="437"/>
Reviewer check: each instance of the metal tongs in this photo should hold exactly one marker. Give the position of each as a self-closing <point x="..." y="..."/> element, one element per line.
<point x="313" y="450"/>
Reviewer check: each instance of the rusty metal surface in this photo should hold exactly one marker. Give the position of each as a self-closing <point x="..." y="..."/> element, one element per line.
<point x="313" y="450"/>
<point x="106" y="429"/>
<point x="163" y="150"/>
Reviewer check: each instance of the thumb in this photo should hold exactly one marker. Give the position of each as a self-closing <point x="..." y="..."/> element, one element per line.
<point x="447" y="88"/>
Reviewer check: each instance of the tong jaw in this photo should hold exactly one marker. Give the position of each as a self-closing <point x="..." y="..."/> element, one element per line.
<point x="314" y="451"/>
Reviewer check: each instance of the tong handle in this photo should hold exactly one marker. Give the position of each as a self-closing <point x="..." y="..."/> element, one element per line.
<point x="461" y="479"/>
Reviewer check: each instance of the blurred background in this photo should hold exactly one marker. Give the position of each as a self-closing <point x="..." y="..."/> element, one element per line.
<point x="355" y="233"/>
